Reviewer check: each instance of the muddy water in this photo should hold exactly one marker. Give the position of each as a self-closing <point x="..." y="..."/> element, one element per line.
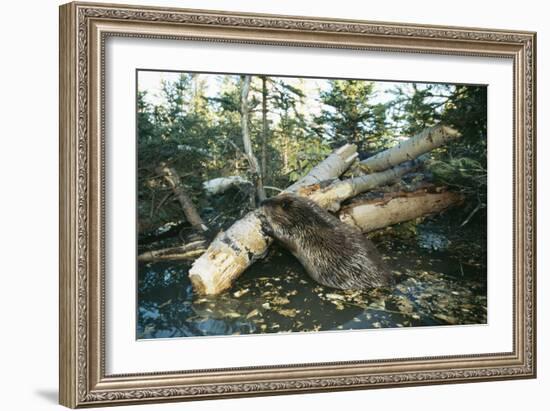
<point x="437" y="284"/>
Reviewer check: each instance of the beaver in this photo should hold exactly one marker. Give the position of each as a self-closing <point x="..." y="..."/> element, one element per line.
<point x="333" y="253"/>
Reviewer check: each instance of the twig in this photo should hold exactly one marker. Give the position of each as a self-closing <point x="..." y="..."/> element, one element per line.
<point x="163" y="200"/>
<point x="475" y="210"/>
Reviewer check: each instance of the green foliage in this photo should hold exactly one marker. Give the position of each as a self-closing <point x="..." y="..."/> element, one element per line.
<point x="177" y="132"/>
<point x="461" y="164"/>
<point x="416" y="107"/>
<point x="464" y="173"/>
<point x="194" y="125"/>
<point x="467" y="112"/>
<point x="350" y="116"/>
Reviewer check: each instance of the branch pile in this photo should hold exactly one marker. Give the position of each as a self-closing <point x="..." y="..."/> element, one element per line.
<point x="234" y="250"/>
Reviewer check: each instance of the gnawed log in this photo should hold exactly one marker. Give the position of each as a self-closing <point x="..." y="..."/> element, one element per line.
<point x="410" y="149"/>
<point x="234" y="250"/>
<point x="189" y="210"/>
<point x="396" y="207"/>
<point x="332" y="196"/>
<point x="188" y="251"/>
<point x="229" y="255"/>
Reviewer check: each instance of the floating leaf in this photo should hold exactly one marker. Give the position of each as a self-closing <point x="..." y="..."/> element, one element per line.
<point x="240" y="293"/>
<point x="291" y="312"/>
<point x="252" y="313"/>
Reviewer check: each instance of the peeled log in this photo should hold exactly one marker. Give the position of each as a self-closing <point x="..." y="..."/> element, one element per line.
<point x="393" y="208"/>
<point x="234" y="250"/>
<point x="410" y="149"/>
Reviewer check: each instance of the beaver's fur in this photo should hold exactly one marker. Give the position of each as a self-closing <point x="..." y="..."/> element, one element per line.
<point x="333" y="253"/>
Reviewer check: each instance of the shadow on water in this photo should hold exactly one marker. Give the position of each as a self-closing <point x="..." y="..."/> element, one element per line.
<point x="435" y="286"/>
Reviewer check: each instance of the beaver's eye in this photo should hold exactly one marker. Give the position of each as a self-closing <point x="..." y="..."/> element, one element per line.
<point x="285" y="203"/>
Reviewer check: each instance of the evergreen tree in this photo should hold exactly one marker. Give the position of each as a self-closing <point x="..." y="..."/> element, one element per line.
<point x="298" y="146"/>
<point x="350" y="116"/>
<point x="416" y="107"/>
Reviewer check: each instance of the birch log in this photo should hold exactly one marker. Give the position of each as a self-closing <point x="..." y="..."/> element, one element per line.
<point x="332" y="167"/>
<point x="393" y="208"/>
<point x="332" y="196"/>
<point x="222" y="184"/>
<point x="234" y="250"/>
<point x="410" y="149"/>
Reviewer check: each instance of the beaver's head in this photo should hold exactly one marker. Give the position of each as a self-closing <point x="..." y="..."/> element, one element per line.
<point x="280" y="211"/>
<point x="289" y="212"/>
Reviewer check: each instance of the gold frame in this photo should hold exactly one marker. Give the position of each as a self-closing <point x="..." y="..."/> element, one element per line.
<point x="83" y="30"/>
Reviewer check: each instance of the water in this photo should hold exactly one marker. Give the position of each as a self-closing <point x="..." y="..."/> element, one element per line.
<point x="437" y="284"/>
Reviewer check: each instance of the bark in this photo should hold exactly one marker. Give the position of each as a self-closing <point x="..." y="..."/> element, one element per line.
<point x="189" y="210"/>
<point x="185" y="252"/>
<point x="252" y="160"/>
<point x="332" y="196"/>
<point x="412" y="148"/>
<point x="397" y="207"/>
<point x="234" y="250"/>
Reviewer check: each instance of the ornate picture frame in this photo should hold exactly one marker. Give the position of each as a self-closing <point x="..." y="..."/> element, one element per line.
<point x="84" y="29"/>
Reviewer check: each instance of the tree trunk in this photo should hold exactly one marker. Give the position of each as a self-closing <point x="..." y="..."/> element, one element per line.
<point x="332" y="196"/>
<point x="252" y="160"/>
<point x="189" y="210"/>
<point x="264" y="128"/>
<point x="393" y="208"/>
<point x="234" y="250"/>
<point x="421" y="143"/>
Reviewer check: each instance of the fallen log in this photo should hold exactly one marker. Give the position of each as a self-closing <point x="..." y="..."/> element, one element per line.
<point x="332" y="167"/>
<point x="188" y="251"/>
<point x="383" y="210"/>
<point x="234" y="250"/>
<point x="332" y="196"/>
<point x="396" y="207"/>
<point x="222" y="184"/>
<point x="410" y="149"/>
<point x="189" y="210"/>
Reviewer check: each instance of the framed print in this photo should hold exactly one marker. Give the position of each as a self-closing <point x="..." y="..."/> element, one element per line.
<point x="259" y="204"/>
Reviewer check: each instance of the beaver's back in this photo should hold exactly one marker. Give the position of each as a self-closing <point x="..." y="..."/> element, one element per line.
<point x="333" y="253"/>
